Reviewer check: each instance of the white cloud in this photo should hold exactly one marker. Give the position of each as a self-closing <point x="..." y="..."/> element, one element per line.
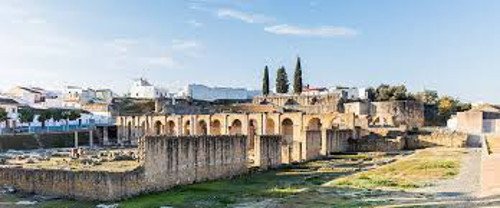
<point x="178" y="44"/>
<point x="323" y="31"/>
<point x="195" y="23"/>
<point x="187" y="47"/>
<point x="244" y="16"/>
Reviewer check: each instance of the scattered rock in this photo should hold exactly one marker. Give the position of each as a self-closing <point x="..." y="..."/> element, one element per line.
<point x="26" y="202"/>
<point x="107" y="206"/>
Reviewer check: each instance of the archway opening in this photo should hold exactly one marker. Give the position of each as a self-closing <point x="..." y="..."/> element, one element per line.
<point x="187" y="128"/>
<point x="287" y="129"/>
<point x="171" y="128"/>
<point x="215" y="127"/>
<point x="158" y="128"/>
<point x="202" y="128"/>
<point x="236" y="128"/>
<point x="314" y="124"/>
<point x="270" y="127"/>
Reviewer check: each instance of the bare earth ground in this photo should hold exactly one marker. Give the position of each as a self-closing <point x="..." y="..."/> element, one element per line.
<point x="303" y="185"/>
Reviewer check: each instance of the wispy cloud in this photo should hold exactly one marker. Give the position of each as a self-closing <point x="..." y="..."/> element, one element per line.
<point x="195" y="23"/>
<point x="187" y="47"/>
<point x="244" y="16"/>
<point x="323" y="31"/>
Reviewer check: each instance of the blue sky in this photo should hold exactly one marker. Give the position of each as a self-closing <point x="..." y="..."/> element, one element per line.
<point x="449" y="46"/>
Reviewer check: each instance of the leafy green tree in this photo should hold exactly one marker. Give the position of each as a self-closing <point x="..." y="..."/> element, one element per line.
<point x="74" y="115"/>
<point x="386" y="93"/>
<point x="297" y="78"/>
<point x="26" y="115"/>
<point x="399" y="92"/>
<point x="428" y="97"/>
<point x="265" y="82"/>
<point x="44" y="116"/>
<point x="282" y="84"/>
<point x="383" y="93"/>
<point x="57" y="114"/>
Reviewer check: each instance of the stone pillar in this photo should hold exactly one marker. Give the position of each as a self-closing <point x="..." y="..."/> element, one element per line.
<point x="105" y="136"/>
<point x="76" y="139"/>
<point x="179" y="126"/>
<point x="226" y="126"/>
<point x="324" y="142"/>
<point x="263" y="121"/>
<point x="209" y="125"/>
<point x="194" y="124"/>
<point x="91" y="139"/>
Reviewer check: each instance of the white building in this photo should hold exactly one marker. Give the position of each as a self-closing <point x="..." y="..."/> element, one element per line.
<point x="141" y="88"/>
<point x="29" y="95"/>
<point x="11" y="107"/>
<point x="35" y="97"/>
<point x="352" y="93"/>
<point x="75" y="97"/>
<point x="202" y="92"/>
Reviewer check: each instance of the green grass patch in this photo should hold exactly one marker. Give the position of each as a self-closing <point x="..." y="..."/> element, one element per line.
<point x="411" y="172"/>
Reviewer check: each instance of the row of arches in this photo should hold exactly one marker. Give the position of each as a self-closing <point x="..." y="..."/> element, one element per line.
<point x="216" y="128"/>
<point x="235" y="128"/>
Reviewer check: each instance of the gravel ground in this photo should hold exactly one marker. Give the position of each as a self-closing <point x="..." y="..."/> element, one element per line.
<point x="466" y="185"/>
<point x="462" y="191"/>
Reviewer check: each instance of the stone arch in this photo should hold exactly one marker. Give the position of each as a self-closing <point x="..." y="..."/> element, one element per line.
<point x="291" y="101"/>
<point x="187" y="128"/>
<point x="215" y="128"/>
<point x="158" y="128"/>
<point x="171" y="128"/>
<point x="338" y="123"/>
<point x="270" y="127"/>
<point x="314" y="124"/>
<point x="313" y="101"/>
<point x="287" y="129"/>
<point x="202" y="128"/>
<point x="236" y="127"/>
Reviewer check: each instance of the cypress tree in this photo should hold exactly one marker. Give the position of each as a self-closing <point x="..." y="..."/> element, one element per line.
<point x="282" y="81"/>
<point x="297" y="78"/>
<point x="265" y="82"/>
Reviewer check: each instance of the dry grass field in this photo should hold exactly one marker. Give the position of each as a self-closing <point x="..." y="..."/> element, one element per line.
<point x="415" y="171"/>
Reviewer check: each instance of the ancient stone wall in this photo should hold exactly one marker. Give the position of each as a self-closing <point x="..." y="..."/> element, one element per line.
<point x="396" y="113"/>
<point x="166" y="162"/>
<point x="268" y="151"/>
<point x="313" y="144"/>
<point x="367" y="144"/>
<point x="171" y="161"/>
<point x="338" y="140"/>
<point x="470" y="122"/>
<point x="87" y="185"/>
<point x="437" y="138"/>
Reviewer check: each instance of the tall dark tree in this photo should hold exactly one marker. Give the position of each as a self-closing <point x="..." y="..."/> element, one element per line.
<point x="265" y="82"/>
<point x="282" y="84"/>
<point x="297" y="78"/>
<point x="4" y="117"/>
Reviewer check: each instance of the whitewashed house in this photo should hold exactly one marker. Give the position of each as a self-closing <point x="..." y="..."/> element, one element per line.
<point x="141" y="88"/>
<point x="202" y="92"/>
